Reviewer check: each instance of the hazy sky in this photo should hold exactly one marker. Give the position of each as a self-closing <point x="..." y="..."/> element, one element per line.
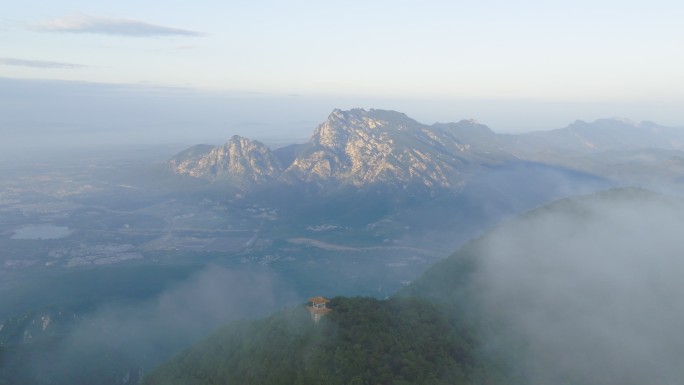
<point x="512" y="65"/>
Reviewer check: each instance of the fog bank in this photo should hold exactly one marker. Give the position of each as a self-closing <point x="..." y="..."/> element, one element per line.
<point x="118" y="343"/>
<point x="591" y="292"/>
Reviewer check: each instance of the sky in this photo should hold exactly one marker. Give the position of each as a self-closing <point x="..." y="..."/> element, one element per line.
<point x="276" y="69"/>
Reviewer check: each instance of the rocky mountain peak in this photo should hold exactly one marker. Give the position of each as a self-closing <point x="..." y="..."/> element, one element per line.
<point x="366" y="146"/>
<point x="465" y="125"/>
<point x="341" y="126"/>
<point x="248" y="160"/>
<point x="355" y="147"/>
<point x="469" y="132"/>
<point x="360" y="147"/>
<point x="371" y="118"/>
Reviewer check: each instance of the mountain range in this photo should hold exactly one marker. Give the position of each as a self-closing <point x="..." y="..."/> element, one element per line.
<point x="364" y="147"/>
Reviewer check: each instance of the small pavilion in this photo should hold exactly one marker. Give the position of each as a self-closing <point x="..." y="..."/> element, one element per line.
<point x="317" y="307"/>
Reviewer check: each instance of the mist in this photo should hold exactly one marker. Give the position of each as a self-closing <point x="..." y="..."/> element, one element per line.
<point x="588" y="293"/>
<point x="127" y="339"/>
<point x="41" y="114"/>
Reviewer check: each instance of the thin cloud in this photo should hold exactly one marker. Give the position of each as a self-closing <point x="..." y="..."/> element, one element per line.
<point x="110" y="26"/>
<point x="36" y="63"/>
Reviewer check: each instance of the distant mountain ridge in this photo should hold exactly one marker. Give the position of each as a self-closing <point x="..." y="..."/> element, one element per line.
<point x="361" y="147"/>
<point x="610" y="134"/>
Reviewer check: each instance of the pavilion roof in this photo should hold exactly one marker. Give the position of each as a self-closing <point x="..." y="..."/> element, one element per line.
<point x="319" y="299"/>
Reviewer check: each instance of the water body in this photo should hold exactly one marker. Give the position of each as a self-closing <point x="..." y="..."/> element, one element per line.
<point x="41" y="232"/>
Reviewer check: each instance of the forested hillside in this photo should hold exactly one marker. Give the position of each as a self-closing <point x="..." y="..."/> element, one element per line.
<point x="362" y="341"/>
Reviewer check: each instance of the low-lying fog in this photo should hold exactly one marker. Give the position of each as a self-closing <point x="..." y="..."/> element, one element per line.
<point x="592" y="295"/>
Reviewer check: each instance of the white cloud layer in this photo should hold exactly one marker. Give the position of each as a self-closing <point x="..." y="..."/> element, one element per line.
<point x="36" y="63"/>
<point x="110" y="26"/>
<point x="590" y="292"/>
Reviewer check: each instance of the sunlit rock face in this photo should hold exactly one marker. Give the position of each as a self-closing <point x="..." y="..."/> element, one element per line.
<point x="363" y="147"/>
<point x="355" y="147"/>
<point x="239" y="157"/>
<point x="360" y="147"/>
